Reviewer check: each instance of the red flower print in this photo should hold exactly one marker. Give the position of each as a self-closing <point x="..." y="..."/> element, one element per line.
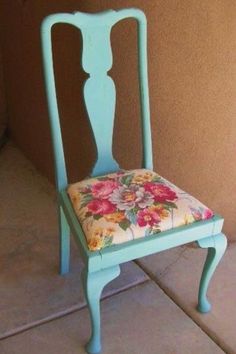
<point x="103" y="189"/>
<point x="101" y="207"/>
<point x="147" y="217"/>
<point x="201" y="213"/>
<point x="207" y="214"/>
<point x="160" y="192"/>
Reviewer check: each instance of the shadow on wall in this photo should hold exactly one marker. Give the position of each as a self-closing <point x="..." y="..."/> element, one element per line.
<point x="3" y="112"/>
<point x="192" y="71"/>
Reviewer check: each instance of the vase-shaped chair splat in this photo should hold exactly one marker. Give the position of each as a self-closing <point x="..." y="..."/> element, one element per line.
<point x="216" y="248"/>
<point x="100" y="93"/>
<point x="93" y="285"/>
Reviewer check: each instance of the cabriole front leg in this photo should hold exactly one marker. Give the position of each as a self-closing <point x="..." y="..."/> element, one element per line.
<point x="93" y="285"/>
<point x="216" y="248"/>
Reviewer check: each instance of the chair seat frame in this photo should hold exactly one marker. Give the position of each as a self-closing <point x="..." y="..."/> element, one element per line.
<point x="100" y="267"/>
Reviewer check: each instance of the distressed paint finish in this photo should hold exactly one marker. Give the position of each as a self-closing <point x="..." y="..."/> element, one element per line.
<point x="100" y="96"/>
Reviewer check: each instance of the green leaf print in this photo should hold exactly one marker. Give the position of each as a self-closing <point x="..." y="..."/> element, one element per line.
<point x="127" y="179"/>
<point x="125" y="224"/>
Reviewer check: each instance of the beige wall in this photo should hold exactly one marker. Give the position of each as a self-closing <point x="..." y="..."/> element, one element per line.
<point x="192" y="69"/>
<point x="3" y="111"/>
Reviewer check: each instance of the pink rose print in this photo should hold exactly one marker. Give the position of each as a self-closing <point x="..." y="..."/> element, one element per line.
<point x="160" y="192"/>
<point x="103" y="189"/>
<point x="147" y="217"/>
<point x="101" y="207"/>
<point x="201" y="213"/>
<point x="207" y="214"/>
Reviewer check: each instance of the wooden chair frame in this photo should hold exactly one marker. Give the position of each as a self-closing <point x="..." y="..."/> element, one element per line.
<point x="100" y="267"/>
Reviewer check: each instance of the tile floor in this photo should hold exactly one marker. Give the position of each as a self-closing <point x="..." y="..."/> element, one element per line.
<point x="150" y="308"/>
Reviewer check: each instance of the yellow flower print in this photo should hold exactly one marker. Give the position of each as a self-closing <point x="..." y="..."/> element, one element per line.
<point x="75" y="199"/>
<point x="74" y="195"/>
<point x="142" y="178"/>
<point x="115" y="217"/>
<point x="101" y="238"/>
<point x="109" y="231"/>
<point x="98" y="232"/>
<point x="95" y="243"/>
<point x="163" y="213"/>
<point x="188" y="219"/>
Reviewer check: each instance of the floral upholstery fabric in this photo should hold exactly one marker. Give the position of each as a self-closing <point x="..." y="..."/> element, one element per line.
<point x="127" y="205"/>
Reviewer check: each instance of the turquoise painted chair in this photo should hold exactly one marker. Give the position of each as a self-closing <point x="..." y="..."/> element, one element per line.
<point x="117" y="216"/>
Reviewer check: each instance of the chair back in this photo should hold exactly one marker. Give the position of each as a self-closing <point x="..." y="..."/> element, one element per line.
<point x="99" y="89"/>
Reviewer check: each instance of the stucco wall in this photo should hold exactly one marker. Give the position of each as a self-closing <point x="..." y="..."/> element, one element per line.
<point x="192" y="70"/>
<point x="3" y="110"/>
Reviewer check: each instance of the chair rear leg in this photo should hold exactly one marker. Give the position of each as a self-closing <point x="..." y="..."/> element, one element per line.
<point x="64" y="243"/>
<point x="93" y="285"/>
<point x="216" y="247"/>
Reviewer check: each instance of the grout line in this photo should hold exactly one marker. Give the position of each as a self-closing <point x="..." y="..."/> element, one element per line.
<point x="37" y="323"/>
<point x="170" y="265"/>
<point x="71" y="310"/>
<point x="211" y="334"/>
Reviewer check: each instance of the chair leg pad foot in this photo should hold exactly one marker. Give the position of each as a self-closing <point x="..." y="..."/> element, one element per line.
<point x="91" y="349"/>
<point x="204" y="307"/>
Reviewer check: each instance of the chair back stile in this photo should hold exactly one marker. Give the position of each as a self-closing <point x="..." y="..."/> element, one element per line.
<point x="99" y="88"/>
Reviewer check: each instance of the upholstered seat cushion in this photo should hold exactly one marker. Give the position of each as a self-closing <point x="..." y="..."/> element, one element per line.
<point x="127" y="205"/>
